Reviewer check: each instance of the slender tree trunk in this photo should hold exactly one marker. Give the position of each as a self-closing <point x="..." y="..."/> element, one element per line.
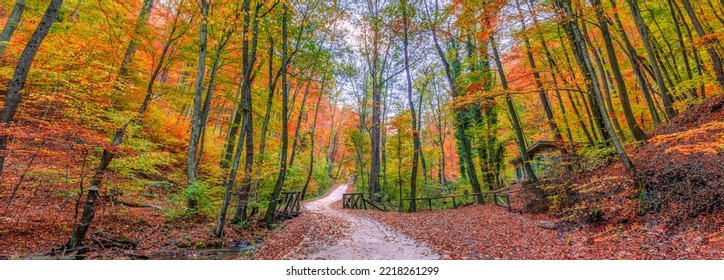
<point x="234" y="124"/>
<point x="637" y="132"/>
<point x="249" y="48"/>
<point x="566" y="13"/>
<point x="423" y="163"/>
<point x="581" y="55"/>
<point x="716" y="61"/>
<point x="80" y="229"/>
<point x="270" y="212"/>
<point x="592" y="136"/>
<point x="310" y="172"/>
<point x="76" y="11"/>
<point x="197" y="119"/>
<point x="536" y="77"/>
<point x="635" y="64"/>
<point x="555" y="72"/>
<point x="441" y="142"/>
<point x="133" y="44"/>
<point x="680" y="39"/>
<point x="517" y="128"/>
<point x="17" y="83"/>
<point x="604" y="82"/>
<point x="11" y="25"/>
<point x="270" y="99"/>
<point x="467" y="166"/>
<point x="646" y="39"/>
<point x="299" y="121"/>
<point x="413" y="119"/>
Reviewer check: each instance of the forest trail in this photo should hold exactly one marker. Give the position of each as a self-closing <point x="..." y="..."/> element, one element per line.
<point x="365" y="238"/>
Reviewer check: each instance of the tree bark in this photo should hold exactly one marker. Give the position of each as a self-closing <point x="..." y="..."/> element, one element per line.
<point x="133" y="44"/>
<point x="11" y="24"/>
<point x="270" y="212"/>
<point x="637" y="132"/>
<point x="517" y="128"/>
<point x="577" y="41"/>
<point x="645" y="38"/>
<point x="22" y="68"/>
<point x="196" y="121"/>
<point x="81" y="228"/>
<point x="716" y="61"/>
<point x="636" y="65"/>
<point x="413" y="119"/>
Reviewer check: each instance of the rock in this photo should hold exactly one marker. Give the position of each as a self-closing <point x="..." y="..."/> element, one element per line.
<point x="547" y="225"/>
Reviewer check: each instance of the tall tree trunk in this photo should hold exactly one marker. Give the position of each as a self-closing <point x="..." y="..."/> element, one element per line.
<point x="81" y="228"/>
<point x="716" y="61"/>
<point x="636" y="65"/>
<point x="272" y="80"/>
<point x="694" y="50"/>
<point x="517" y="128"/>
<point x="577" y="40"/>
<point x="441" y="142"/>
<point x="423" y="163"/>
<point x="580" y="53"/>
<point x="234" y="124"/>
<point x="270" y="212"/>
<point x="680" y="39"/>
<point x="11" y="24"/>
<point x="299" y="121"/>
<point x="555" y="72"/>
<point x="637" y="132"/>
<point x="413" y="119"/>
<point x="310" y="172"/>
<point x="467" y="166"/>
<point x="592" y="136"/>
<point x="17" y="83"/>
<point x="197" y="119"/>
<point x="646" y="39"/>
<point x="249" y="48"/>
<point x="536" y="77"/>
<point x="133" y="44"/>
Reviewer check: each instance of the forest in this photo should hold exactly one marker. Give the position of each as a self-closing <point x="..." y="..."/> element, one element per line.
<point x="240" y="129"/>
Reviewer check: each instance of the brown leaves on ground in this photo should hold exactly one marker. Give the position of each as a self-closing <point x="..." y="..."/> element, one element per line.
<point x="490" y="232"/>
<point x="307" y="231"/>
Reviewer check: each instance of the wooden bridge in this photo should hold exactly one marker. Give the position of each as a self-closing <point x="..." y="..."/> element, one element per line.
<point x="358" y="201"/>
<point x="288" y="205"/>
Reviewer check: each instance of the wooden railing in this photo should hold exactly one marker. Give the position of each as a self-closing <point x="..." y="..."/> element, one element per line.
<point x="289" y="205"/>
<point x="500" y="198"/>
<point x="358" y="201"/>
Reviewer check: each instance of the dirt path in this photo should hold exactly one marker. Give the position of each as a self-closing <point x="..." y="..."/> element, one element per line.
<point x="365" y="239"/>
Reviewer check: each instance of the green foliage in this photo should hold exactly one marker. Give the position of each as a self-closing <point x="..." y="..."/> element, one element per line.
<point x="208" y="200"/>
<point x="593" y="158"/>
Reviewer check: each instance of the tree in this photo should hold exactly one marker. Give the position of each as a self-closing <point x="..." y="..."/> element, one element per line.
<point x="577" y="43"/>
<point x="270" y="212"/>
<point x="413" y="120"/>
<point x="11" y="25"/>
<point x="514" y="119"/>
<point x="197" y="118"/>
<point x="637" y="132"/>
<point x="716" y="61"/>
<point x="80" y="228"/>
<point x="17" y="83"/>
